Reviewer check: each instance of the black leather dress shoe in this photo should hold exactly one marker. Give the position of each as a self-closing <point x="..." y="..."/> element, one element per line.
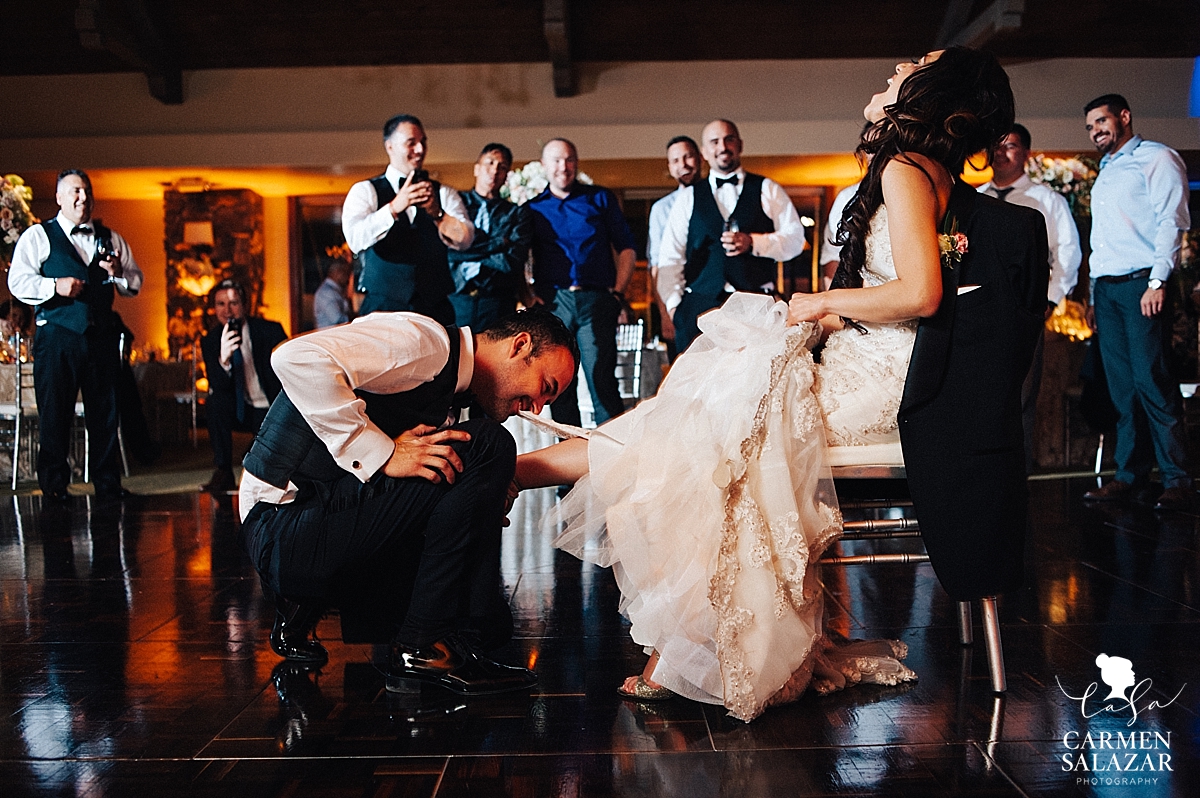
<point x="220" y="482"/>
<point x="55" y="496"/>
<point x="451" y="663"/>
<point x="294" y="635"/>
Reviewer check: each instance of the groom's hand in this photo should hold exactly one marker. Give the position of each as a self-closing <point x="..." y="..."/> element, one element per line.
<point x="424" y="451"/>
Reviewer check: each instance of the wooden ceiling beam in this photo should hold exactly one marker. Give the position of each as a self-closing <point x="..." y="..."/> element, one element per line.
<point x="1001" y="15"/>
<point x="556" y="25"/>
<point x="137" y="40"/>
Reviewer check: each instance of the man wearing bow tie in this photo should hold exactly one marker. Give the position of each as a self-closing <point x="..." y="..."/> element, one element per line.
<point x="724" y="234"/>
<point x="68" y="268"/>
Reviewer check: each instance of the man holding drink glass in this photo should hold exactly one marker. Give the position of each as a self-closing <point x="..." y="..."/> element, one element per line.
<point x="69" y="268"/>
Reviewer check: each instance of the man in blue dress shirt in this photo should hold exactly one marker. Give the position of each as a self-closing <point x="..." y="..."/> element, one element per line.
<point x="1139" y="213"/>
<point x="583" y="257"/>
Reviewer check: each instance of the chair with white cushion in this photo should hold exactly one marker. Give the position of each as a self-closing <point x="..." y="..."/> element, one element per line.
<point x="882" y="466"/>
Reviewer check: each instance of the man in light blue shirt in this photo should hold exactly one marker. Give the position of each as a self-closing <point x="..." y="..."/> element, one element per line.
<point x="683" y="164"/>
<point x="1139" y="213"/>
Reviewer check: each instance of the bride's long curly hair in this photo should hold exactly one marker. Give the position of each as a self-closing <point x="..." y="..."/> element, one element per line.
<point x="949" y="110"/>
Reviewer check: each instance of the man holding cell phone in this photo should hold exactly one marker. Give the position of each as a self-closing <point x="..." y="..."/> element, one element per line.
<point x="241" y="382"/>
<point x="724" y="234"/>
<point x="69" y="269"/>
<point x="400" y="224"/>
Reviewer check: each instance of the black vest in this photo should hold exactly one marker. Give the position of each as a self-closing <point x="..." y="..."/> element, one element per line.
<point x="286" y="448"/>
<point x="708" y="268"/>
<point x="407" y="269"/>
<point x="94" y="305"/>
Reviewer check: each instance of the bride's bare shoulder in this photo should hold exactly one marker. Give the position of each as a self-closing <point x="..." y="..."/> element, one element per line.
<point x="908" y="165"/>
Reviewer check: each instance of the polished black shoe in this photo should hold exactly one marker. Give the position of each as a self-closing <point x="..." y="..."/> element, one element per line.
<point x="221" y="482"/>
<point x="55" y="497"/>
<point x="294" y="635"/>
<point x="451" y="663"/>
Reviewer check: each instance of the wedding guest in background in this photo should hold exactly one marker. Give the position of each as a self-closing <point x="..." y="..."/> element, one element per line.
<point x="330" y="304"/>
<point x="69" y="268"/>
<point x="400" y="224"/>
<point x="241" y="382"/>
<point x="831" y="251"/>
<point x="1139" y="213"/>
<point x="683" y="164"/>
<point x="583" y="258"/>
<point x="724" y="234"/>
<point x="1010" y="184"/>
<point x="489" y="275"/>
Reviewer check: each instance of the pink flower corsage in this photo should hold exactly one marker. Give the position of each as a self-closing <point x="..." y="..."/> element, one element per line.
<point x="952" y="245"/>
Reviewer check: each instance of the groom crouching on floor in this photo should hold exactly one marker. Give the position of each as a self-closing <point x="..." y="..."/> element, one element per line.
<point x="360" y="492"/>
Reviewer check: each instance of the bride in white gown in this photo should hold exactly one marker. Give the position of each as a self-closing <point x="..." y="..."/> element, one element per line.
<point x="712" y="501"/>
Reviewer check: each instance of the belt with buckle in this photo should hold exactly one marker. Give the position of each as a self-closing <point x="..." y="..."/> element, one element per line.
<point x="1140" y="274"/>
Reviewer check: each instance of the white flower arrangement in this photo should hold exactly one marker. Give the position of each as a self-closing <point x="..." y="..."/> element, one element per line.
<point x="530" y="180"/>
<point x="15" y="215"/>
<point x="1071" y="177"/>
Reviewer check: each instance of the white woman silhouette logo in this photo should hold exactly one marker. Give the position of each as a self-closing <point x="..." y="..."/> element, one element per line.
<point x="1117" y="673"/>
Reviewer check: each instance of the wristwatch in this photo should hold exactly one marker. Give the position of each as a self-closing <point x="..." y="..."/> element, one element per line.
<point x="1154" y="285"/>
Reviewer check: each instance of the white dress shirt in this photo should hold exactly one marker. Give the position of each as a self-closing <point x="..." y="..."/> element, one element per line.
<point x="255" y="396"/>
<point x="25" y="279"/>
<point x="785" y="243"/>
<point x="660" y="211"/>
<point x="382" y="353"/>
<point x="1065" y="252"/>
<point x="831" y="252"/>
<point x="365" y="223"/>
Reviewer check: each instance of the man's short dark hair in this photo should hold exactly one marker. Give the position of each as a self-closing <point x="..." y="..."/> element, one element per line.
<point x="505" y="152"/>
<point x="226" y="285"/>
<point x="1022" y="134"/>
<point x="389" y="127"/>
<point x="1115" y="102"/>
<point x="688" y="140"/>
<point x="82" y="175"/>
<point x="544" y="328"/>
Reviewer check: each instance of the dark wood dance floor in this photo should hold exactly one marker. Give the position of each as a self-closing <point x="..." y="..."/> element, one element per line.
<point x="134" y="662"/>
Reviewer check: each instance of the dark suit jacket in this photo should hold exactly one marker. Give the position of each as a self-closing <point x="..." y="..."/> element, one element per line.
<point x="264" y="337"/>
<point x="960" y="418"/>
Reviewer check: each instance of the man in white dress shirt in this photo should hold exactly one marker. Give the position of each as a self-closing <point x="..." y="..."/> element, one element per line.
<point x="400" y="223"/>
<point x="831" y="251"/>
<point x="360" y="491"/>
<point x="1010" y="184"/>
<point x="724" y="234"/>
<point x="68" y="268"/>
<point x="683" y="164"/>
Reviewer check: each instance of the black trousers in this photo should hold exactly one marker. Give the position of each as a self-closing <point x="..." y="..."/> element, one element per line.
<point x="423" y="557"/>
<point x="592" y="316"/>
<point x="64" y="363"/>
<point x="221" y="414"/>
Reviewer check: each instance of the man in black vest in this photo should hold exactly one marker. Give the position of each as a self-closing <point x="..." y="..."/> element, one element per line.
<point x="241" y="384"/>
<point x="358" y="493"/>
<point x="69" y="268"/>
<point x="400" y="224"/>
<point x="724" y="234"/>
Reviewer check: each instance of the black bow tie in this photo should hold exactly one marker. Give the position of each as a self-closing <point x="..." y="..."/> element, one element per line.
<point x="81" y="228"/>
<point x="732" y="180"/>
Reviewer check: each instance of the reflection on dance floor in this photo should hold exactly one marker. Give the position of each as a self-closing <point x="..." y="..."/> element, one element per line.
<point x="134" y="661"/>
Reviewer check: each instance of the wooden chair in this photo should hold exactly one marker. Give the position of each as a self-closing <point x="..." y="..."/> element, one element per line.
<point x="880" y="470"/>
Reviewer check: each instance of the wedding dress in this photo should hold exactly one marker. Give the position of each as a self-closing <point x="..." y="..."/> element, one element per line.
<point x="712" y="500"/>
